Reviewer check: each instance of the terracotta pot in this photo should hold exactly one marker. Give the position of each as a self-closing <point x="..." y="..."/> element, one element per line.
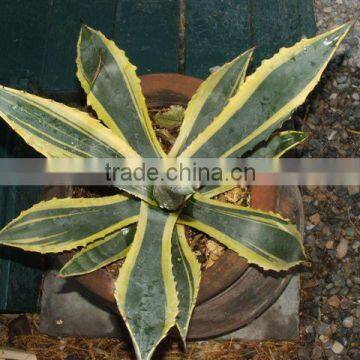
<point x="232" y="294"/>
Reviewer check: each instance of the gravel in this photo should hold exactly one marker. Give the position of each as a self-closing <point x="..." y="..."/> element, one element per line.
<point x="330" y="307"/>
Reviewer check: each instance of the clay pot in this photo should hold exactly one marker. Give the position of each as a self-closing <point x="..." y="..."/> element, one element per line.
<point x="232" y="293"/>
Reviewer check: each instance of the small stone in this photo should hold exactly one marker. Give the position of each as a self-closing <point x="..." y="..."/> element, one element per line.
<point x="317" y="352"/>
<point x="326" y="231"/>
<point x="309" y="227"/>
<point x="307" y="284"/>
<point x="315" y="219"/>
<point x="323" y="338"/>
<point x="348" y="322"/>
<point x="342" y="248"/>
<point x="323" y="329"/>
<point x="320" y="196"/>
<point x="303" y="353"/>
<point x="349" y="231"/>
<point x="357" y="312"/>
<point x="353" y="189"/>
<point x="355" y="96"/>
<point x="337" y="348"/>
<point x="341" y="79"/>
<point x="334" y="301"/>
<point x="332" y="135"/>
<point x="309" y="329"/>
<point x="329" y="286"/>
<point x="307" y="198"/>
<point x="329" y="244"/>
<point x="333" y="328"/>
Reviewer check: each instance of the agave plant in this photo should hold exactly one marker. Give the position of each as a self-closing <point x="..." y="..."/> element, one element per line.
<point x="229" y="116"/>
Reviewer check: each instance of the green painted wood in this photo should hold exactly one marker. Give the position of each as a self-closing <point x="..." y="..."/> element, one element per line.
<point x="219" y="30"/>
<point x="38" y="38"/>
<point x="279" y="23"/>
<point x="23" y="29"/>
<point x="216" y="32"/>
<point x="307" y="18"/>
<point x="20" y="276"/>
<point x="64" y="19"/>
<point x="148" y="32"/>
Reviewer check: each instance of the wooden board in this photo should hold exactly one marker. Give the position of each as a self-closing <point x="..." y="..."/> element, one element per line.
<point x="64" y="20"/>
<point x="279" y="23"/>
<point x="148" y="32"/>
<point x="20" y="276"/>
<point x="219" y="30"/>
<point x="216" y="32"/>
<point x="38" y="38"/>
<point x="23" y="30"/>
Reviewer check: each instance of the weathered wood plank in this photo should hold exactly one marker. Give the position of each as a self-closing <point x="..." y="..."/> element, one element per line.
<point x="47" y="36"/>
<point x="216" y="32"/>
<point x="19" y="276"/>
<point x="148" y="32"/>
<point x="307" y="18"/>
<point x="65" y="17"/>
<point x="219" y="30"/>
<point x="23" y="29"/>
<point x="279" y="23"/>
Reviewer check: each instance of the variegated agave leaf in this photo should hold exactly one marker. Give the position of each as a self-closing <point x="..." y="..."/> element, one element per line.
<point x="209" y="100"/>
<point x="146" y="289"/>
<point x="267" y="98"/>
<point x="114" y="91"/>
<point x="263" y="238"/>
<point x="57" y="130"/>
<point x="187" y="273"/>
<point x="279" y="144"/>
<point x="275" y="147"/>
<point x="100" y="253"/>
<point x="59" y="225"/>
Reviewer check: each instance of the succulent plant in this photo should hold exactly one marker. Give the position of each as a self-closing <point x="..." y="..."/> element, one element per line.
<point x="230" y="115"/>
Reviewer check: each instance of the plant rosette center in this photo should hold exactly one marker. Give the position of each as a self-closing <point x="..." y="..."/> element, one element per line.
<point x="172" y="198"/>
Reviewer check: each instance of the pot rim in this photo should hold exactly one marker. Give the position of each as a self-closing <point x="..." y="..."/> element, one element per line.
<point x="232" y="267"/>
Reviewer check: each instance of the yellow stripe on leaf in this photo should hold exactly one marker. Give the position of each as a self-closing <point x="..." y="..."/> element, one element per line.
<point x="208" y="101"/>
<point x="146" y="290"/>
<point x="60" y="225"/>
<point x="57" y="130"/>
<point x="263" y="238"/>
<point x="268" y="97"/>
<point x="113" y="90"/>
